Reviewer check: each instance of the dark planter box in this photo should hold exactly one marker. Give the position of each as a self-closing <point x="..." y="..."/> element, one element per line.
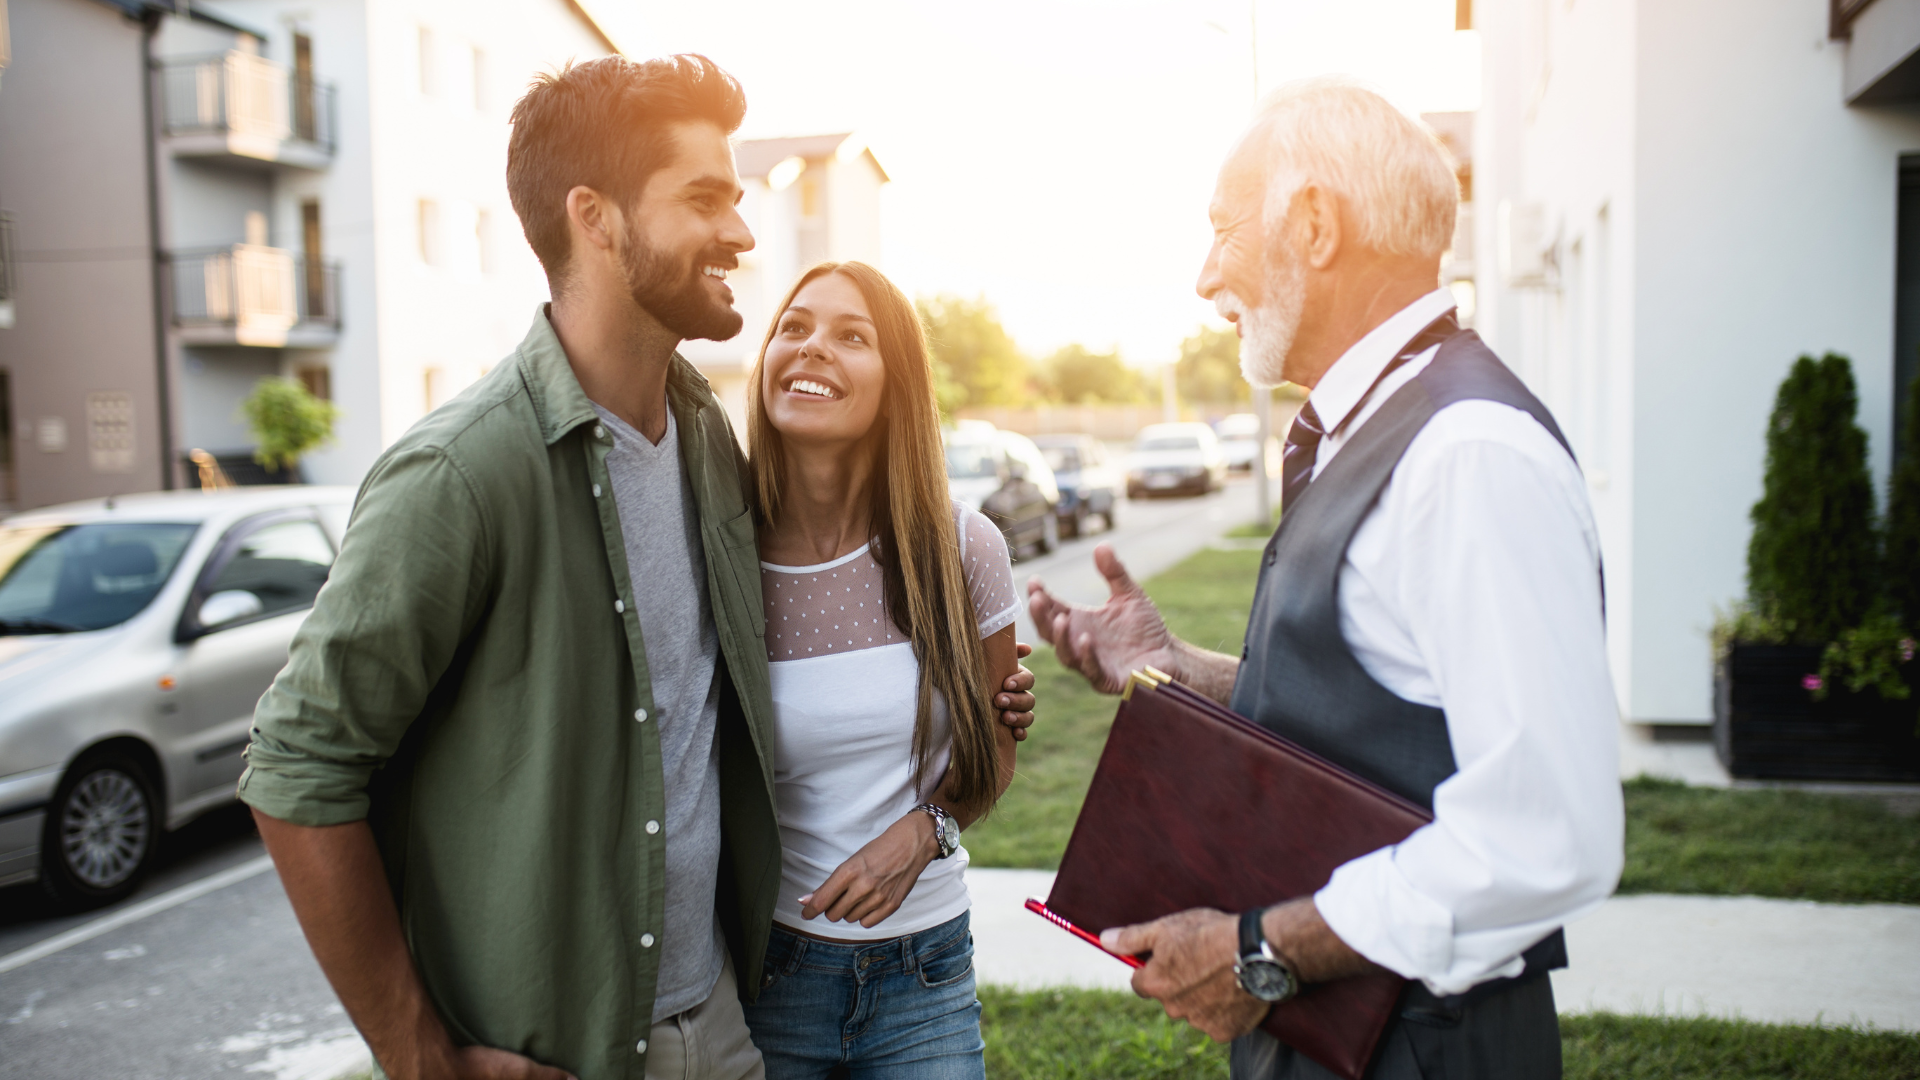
<point x="1767" y="726"/>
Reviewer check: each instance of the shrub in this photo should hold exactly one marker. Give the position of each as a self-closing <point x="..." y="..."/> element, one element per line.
<point x="287" y="422"/>
<point x="1811" y="565"/>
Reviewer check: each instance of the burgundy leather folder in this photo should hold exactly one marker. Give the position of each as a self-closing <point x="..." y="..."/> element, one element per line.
<point x="1195" y="806"/>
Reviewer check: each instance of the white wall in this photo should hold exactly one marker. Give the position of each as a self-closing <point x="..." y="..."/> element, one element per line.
<point x="1749" y="217"/>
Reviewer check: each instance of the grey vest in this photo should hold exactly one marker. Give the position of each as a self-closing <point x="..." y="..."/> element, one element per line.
<point x="1299" y="678"/>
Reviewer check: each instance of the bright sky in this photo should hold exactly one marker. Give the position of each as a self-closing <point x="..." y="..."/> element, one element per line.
<point x="1055" y="156"/>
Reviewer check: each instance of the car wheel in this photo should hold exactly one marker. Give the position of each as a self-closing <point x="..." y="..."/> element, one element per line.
<point x="1077" y="524"/>
<point x="1049" y="533"/>
<point x="101" y="831"/>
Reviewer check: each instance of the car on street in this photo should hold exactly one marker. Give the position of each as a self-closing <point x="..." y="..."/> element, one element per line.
<point x="1240" y="441"/>
<point x="137" y="634"/>
<point x="1175" y="459"/>
<point x="1089" y="483"/>
<point x="1004" y="476"/>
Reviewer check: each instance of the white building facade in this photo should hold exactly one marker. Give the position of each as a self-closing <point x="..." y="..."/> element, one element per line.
<point x="1673" y="200"/>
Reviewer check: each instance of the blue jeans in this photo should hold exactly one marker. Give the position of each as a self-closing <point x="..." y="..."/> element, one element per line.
<point x="900" y="1009"/>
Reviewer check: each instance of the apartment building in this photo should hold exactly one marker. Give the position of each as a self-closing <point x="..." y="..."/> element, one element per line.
<point x="202" y="195"/>
<point x="1680" y="197"/>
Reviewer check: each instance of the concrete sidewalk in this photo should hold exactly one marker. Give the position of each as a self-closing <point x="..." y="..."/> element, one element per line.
<point x="1778" y="961"/>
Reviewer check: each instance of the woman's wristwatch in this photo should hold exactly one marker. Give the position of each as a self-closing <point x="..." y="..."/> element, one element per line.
<point x="1260" y="970"/>
<point x="946" y="831"/>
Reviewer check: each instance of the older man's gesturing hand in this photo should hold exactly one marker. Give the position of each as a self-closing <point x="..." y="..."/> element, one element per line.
<point x="1191" y="970"/>
<point x="1104" y="643"/>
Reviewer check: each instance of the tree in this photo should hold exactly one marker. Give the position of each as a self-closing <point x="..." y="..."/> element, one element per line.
<point x="287" y="422"/>
<point x="967" y="337"/>
<point x="1209" y="368"/>
<point x="1811" y="561"/>
<point x="1903" y="520"/>
<point x="1076" y="375"/>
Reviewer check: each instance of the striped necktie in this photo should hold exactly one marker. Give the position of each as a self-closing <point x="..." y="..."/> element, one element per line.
<point x="1303" y="438"/>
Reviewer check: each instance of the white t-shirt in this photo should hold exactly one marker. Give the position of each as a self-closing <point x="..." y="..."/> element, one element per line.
<point x="845" y="687"/>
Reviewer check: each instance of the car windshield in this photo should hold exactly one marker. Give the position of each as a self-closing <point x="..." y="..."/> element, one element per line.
<point x="971" y="461"/>
<point x="1061" y="458"/>
<point x="1168" y="442"/>
<point x="57" y="579"/>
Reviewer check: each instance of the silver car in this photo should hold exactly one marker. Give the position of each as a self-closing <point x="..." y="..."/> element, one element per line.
<point x="136" y="636"/>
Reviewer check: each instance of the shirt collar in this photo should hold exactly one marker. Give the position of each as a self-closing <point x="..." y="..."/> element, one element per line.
<point x="1346" y="383"/>
<point x="555" y="392"/>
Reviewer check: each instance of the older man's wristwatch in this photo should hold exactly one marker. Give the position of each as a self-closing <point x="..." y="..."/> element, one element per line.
<point x="1261" y="972"/>
<point x="946" y="831"/>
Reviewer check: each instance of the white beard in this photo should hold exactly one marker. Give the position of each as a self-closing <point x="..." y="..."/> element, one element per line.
<point x="1267" y="331"/>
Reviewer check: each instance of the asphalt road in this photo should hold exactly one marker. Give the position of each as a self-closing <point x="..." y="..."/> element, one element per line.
<point x="203" y="973"/>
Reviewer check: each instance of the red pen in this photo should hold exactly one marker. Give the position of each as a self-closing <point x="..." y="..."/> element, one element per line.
<point x="1039" y="907"/>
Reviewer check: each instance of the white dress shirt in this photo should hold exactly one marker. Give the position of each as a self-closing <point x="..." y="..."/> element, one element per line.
<point x="1473" y="585"/>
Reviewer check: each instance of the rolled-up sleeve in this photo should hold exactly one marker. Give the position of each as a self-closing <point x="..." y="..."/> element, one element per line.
<point x="408" y="586"/>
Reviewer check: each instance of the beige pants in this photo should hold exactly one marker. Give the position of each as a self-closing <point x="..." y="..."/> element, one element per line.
<point x="706" y="1042"/>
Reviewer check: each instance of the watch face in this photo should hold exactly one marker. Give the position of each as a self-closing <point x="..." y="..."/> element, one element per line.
<point x="950" y="835"/>
<point x="1264" y="979"/>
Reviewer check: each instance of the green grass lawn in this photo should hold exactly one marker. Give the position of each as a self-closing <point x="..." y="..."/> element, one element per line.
<point x="1792" y="844"/>
<point x="1205" y="600"/>
<point x="1101" y="1035"/>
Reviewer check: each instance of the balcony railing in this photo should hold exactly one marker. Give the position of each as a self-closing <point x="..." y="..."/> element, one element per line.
<point x="253" y="295"/>
<point x="248" y="106"/>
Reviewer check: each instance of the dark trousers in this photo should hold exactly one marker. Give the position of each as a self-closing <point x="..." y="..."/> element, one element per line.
<point x="1512" y="1034"/>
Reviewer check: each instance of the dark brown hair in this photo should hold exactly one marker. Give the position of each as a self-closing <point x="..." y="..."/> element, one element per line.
<point x="604" y="125"/>
<point x="911" y="519"/>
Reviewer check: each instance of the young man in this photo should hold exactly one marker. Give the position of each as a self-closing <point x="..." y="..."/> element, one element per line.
<point x="517" y="776"/>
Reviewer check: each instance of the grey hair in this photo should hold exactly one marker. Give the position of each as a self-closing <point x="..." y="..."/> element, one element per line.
<point x="1394" y="176"/>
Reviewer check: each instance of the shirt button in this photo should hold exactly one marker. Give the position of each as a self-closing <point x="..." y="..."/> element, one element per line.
<point x="599" y="432"/>
<point x="646" y="941"/>
<point x="641" y="1046"/>
<point x="619" y="606"/>
<point x="640" y="715"/>
<point x="652" y="827"/>
<point x="596" y="491"/>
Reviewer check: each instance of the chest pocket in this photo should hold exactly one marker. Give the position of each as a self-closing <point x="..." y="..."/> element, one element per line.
<point x="741" y="552"/>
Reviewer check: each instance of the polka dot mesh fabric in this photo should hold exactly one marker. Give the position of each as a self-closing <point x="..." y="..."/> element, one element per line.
<point x="840" y="606"/>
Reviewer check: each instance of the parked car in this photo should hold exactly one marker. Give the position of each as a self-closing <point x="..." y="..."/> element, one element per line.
<point x="1240" y="441"/>
<point x="1175" y="458"/>
<point x="1003" y="475"/>
<point x="136" y="636"/>
<point x="1089" y="484"/>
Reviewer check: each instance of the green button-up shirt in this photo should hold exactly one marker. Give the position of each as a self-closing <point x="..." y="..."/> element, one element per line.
<point x="471" y="681"/>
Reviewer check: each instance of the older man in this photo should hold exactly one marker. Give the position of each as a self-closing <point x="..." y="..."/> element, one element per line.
<point x="1428" y="615"/>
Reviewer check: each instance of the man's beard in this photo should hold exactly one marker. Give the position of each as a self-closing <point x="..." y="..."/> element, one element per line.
<point x="1267" y="331"/>
<point x="674" y="294"/>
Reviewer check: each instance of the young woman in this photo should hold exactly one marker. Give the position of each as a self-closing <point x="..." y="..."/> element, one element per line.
<point x="890" y="613"/>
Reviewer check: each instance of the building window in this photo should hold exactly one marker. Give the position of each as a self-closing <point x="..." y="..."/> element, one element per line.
<point x="427" y="229"/>
<point x="425" y="53"/>
<point x="482" y="241"/>
<point x="110" y="431"/>
<point x="317" y="379"/>
<point x="479" y="80"/>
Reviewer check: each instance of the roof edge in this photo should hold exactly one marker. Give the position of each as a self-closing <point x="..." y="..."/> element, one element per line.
<point x="593" y="24"/>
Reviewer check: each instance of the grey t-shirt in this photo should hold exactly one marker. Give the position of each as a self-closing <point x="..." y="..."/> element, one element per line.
<point x="668" y="567"/>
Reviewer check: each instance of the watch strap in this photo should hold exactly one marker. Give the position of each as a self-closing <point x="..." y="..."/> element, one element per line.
<point x="1251" y="935"/>
<point x="940" y="819"/>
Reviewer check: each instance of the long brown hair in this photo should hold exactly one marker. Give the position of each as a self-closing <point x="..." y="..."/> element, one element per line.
<point x="911" y="522"/>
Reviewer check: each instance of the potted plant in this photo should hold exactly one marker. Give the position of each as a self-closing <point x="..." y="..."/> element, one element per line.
<point x="1812" y="670"/>
<point x="287" y="422"/>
